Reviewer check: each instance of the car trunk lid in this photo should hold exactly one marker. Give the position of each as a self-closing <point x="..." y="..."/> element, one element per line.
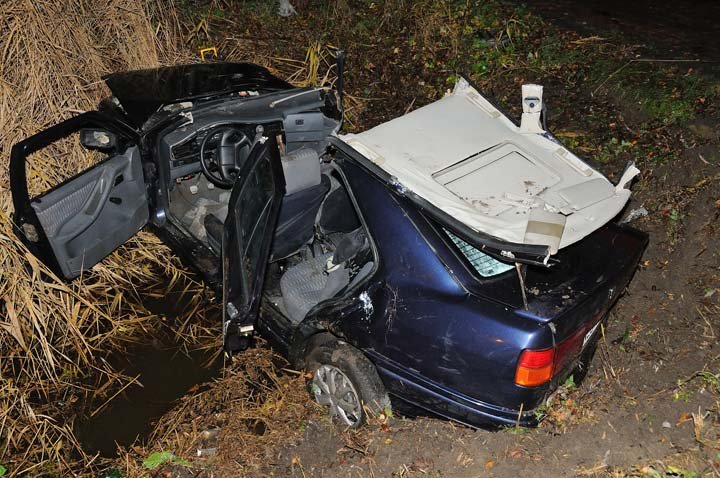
<point x="589" y="276"/>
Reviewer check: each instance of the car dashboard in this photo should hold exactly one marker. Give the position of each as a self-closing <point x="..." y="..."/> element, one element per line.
<point x="307" y="121"/>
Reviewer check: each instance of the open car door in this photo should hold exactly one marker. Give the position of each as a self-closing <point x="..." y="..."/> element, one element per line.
<point x="248" y="233"/>
<point x="75" y="224"/>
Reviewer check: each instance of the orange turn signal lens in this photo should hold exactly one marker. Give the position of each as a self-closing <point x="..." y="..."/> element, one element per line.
<point x="535" y="367"/>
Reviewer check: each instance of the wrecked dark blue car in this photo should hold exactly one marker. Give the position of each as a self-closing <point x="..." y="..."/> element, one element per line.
<point x="450" y="259"/>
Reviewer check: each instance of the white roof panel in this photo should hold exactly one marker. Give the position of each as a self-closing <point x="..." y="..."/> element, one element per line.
<point x="463" y="155"/>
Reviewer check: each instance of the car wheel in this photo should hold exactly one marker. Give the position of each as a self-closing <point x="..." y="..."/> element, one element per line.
<point x="346" y="382"/>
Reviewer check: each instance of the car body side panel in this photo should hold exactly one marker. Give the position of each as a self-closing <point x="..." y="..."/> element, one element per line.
<point x="444" y="401"/>
<point x="452" y="351"/>
<point x="424" y="322"/>
<point x="572" y="295"/>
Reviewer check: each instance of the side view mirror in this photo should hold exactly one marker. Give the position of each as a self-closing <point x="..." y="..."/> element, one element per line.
<point x="98" y="139"/>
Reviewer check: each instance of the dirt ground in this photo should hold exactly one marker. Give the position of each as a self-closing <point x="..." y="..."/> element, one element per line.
<point x="649" y="405"/>
<point x="680" y="30"/>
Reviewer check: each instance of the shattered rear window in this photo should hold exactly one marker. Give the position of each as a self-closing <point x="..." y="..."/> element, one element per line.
<point x="485" y="265"/>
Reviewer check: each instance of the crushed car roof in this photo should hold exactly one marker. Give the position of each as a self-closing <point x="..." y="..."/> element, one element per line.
<point x="467" y="158"/>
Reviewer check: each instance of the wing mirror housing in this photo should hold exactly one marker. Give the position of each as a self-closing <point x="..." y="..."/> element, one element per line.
<point x="98" y="139"/>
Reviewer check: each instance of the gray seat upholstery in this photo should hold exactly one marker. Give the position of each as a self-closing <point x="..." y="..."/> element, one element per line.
<point x="296" y="221"/>
<point x="301" y="169"/>
<point x="306" y="284"/>
<point x="305" y="189"/>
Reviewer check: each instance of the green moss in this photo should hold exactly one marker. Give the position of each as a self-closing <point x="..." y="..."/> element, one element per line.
<point x="669" y="111"/>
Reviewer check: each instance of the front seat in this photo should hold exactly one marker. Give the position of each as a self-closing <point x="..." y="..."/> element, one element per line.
<point x="305" y="189"/>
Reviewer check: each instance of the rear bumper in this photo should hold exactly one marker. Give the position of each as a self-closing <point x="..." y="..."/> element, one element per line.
<point x="446" y="402"/>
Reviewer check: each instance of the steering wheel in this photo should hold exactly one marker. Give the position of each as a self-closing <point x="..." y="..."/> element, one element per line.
<point x="221" y="165"/>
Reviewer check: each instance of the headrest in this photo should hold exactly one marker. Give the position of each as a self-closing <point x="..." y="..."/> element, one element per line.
<point x="301" y="169"/>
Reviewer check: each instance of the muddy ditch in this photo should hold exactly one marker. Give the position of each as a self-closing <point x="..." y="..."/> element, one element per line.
<point x="162" y="372"/>
<point x="159" y="368"/>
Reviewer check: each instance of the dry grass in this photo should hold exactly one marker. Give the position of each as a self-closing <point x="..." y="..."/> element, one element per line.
<point x="52" y="334"/>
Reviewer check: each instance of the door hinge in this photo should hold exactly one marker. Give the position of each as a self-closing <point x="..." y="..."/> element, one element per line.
<point x="234" y="316"/>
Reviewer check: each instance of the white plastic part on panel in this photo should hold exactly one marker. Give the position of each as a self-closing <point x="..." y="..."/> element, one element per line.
<point x="630" y="172"/>
<point x="532" y="104"/>
<point x="545" y="227"/>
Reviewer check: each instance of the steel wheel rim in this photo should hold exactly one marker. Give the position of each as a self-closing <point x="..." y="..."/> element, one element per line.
<point x="332" y="388"/>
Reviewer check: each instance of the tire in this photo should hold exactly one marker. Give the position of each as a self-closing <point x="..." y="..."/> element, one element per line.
<point x="345" y="381"/>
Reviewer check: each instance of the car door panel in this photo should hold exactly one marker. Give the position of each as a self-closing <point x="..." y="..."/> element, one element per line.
<point x="80" y="221"/>
<point x="91" y="215"/>
<point x="248" y="231"/>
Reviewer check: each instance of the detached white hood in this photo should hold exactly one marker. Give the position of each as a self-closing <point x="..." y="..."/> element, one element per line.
<point x="467" y="158"/>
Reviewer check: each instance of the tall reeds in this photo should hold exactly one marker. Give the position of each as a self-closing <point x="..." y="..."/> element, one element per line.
<point x="54" y="334"/>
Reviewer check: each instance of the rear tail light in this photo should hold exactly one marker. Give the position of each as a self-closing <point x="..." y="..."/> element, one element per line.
<point x="535" y="367"/>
